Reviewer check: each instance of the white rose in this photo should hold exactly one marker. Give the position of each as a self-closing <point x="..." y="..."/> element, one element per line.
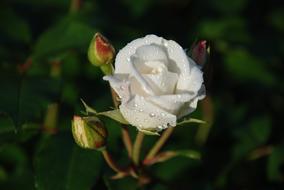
<point x="157" y="83"/>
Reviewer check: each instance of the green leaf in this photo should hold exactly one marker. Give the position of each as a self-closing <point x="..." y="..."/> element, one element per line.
<point x="191" y="120"/>
<point x="19" y="173"/>
<point x="113" y="114"/>
<point x="6" y="124"/>
<point x="245" y="67"/>
<point x="227" y="28"/>
<point x="127" y="183"/>
<point x="14" y="26"/>
<point x="147" y="132"/>
<point x="61" y="164"/>
<point x="25" y="99"/>
<point x="275" y="161"/>
<point x="254" y="134"/>
<point x="68" y="33"/>
<point x="88" y="108"/>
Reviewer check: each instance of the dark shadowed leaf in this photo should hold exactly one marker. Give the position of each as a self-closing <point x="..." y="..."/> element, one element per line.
<point x="61" y="164"/>
<point x="275" y="164"/>
<point x="69" y="33"/>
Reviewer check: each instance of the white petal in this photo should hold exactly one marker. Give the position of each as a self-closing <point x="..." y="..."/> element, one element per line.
<point x="163" y="82"/>
<point x="179" y="64"/>
<point x="122" y="59"/>
<point x="196" y="79"/>
<point x="171" y="103"/>
<point x="120" y="84"/>
<point x="152" y="52"/>
<point x="146" y="116"/>
<point x="192" y="105"/>
<point x="190" y="78"/>
<point x="141" y="80"/>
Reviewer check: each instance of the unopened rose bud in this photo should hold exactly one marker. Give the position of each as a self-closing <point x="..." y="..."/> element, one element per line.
<point x="89" y="132"/>
<point x="199" y="52"/>
<point x="101" y="53"/>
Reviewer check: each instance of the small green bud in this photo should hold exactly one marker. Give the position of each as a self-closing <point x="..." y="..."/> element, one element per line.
<point x="89" y="132"/>
<point x="101" y="53"/>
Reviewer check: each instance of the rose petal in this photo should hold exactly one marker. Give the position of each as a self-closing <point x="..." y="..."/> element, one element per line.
<point x="152" y="52"/>
<point x="163" y="82"/>
<point x="120" y="83"/>
<point x="170" y="103"/>
<point x="192" y="105"/>
<point x="190" y="76"/>
<point x="122" y="59"/>
<point x="145" y="115"/>
<point x="140" y="79"/>
<point x="195" y="78"/>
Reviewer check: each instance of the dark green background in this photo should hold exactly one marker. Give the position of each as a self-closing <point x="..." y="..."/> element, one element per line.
<point x="244" y="78"/>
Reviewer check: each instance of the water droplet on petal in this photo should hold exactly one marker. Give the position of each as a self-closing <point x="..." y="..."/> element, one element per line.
<point x="160" y="127"/>
<point x="152" y="114"/>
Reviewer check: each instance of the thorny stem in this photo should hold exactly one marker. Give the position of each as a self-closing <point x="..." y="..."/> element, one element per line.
<point x="112" y="164"/>
<point x="159" y="144"/>
<point x="137" y="147"/>
<point x="124" y="130"/>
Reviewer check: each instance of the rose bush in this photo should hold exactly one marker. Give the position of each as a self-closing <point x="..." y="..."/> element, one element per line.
<point x="157" y="83"/>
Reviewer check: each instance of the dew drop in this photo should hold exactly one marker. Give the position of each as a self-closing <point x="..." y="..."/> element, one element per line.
<point x="163" y="114"/>
<point x="121" y="87"/>
<point x="152" y="114"/>
<point x="160" y="127"/>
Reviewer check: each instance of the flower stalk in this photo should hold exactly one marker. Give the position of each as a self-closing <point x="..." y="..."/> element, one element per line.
<point x="112" y="164"/>
<point x="137" y="148"/>
<point x="160" y="143"/>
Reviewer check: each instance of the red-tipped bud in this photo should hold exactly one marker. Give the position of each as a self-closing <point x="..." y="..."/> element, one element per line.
<point x="199" y="52"/>
<point x="101" y="53"/>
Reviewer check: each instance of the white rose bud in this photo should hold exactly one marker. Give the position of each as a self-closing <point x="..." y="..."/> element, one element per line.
<point x="157" y="83"/>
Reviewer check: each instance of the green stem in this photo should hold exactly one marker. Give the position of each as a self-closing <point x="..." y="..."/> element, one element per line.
<point x="112" y="164"/>
<point x="160" y="143"/>
<point x="137" y="147"/>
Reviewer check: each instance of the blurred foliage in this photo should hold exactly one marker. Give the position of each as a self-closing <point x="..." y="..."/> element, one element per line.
<point x="43" y="47"/>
